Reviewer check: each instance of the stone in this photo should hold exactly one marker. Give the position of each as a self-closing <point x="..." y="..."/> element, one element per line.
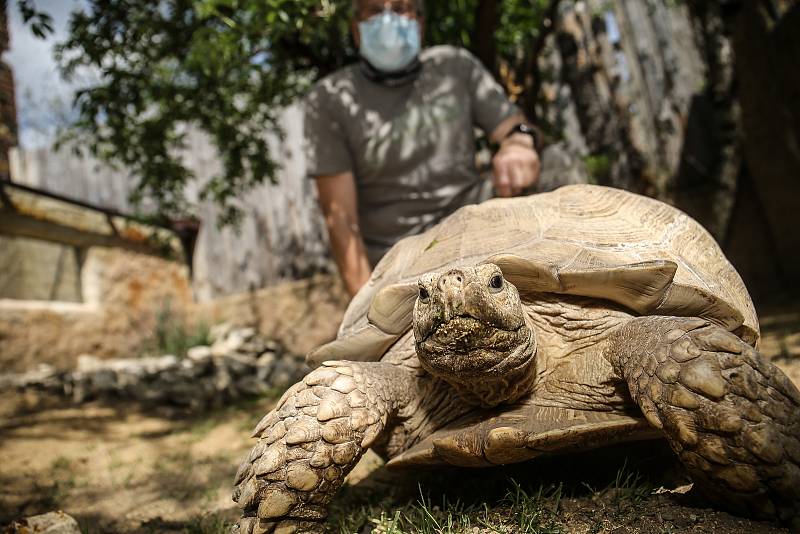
<point x="197" y="381"/>
<point x="49" y="523"/>
<point x="199" y="353"/>
<point x="88" y="363"/>
<point x="266" y="359"/>
<point x="228" y="345"/>
<point x="249" y="385"/>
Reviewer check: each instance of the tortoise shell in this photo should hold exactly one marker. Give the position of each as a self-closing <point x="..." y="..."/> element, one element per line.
<point x="580" y="240"/>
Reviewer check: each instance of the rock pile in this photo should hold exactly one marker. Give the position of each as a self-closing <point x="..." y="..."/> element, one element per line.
<point x="49" y="523"/>
<point x="239" y="363"/>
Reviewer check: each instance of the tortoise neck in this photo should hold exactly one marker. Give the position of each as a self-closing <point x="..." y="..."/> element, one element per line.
<point x="506" y="382"/>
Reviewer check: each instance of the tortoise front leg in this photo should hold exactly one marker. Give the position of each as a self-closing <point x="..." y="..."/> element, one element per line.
<point x="732" y="417"/>
<point x="311" y="440"/>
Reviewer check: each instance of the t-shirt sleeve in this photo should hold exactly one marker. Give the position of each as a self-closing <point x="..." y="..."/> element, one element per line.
<point x="325" y="145"/>
<point x="490" y="105"/>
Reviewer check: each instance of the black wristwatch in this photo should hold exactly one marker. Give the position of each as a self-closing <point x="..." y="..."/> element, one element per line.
<point x="526" y="129"/>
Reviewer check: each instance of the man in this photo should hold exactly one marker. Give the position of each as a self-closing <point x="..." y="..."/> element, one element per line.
<point x="390" y="140"/>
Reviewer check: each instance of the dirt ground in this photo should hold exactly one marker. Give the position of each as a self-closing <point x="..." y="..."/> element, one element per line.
<point x="118" y="469"/>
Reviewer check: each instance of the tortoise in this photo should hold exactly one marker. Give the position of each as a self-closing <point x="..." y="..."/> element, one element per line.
<point x="568" y="320"/>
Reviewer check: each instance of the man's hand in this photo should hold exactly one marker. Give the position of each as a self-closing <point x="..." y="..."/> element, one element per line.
<point x="516" y="165"/>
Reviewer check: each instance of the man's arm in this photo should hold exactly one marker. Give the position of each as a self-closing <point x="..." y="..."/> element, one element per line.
<point x="516" y="164"/>
<point x="337" y="198"/>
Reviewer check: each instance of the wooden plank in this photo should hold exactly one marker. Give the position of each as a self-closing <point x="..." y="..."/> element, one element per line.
<point x="21" y="225"/>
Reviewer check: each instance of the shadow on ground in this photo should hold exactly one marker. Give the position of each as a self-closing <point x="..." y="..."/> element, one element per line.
<point x="621" y="489"/>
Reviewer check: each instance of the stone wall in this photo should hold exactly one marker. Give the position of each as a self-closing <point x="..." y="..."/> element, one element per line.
<point x="239" y="363"/>
<point x="301" y="314"/>
<point x="123" y="296"/>
<point x="127" y="297"/>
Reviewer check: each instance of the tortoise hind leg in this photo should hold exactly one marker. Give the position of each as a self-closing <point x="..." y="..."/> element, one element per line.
<point x="315" y="435"/>
<point x="732" y="417"/>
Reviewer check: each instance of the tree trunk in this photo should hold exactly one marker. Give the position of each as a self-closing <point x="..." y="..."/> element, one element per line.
<point x="766" y="42"/>
<point x="486" y="19"/>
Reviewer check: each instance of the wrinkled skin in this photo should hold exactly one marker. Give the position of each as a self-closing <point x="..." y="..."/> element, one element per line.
<point x="471" y="331"/>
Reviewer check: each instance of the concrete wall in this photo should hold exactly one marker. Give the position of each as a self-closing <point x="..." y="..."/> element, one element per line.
<point x="38" y="270"/>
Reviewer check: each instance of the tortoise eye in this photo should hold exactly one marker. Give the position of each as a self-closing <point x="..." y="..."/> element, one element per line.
<point x="423" y="294"/>
<point x="496" y="282"/>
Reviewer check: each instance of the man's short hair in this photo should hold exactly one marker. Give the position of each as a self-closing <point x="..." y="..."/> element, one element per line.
<point x="419" y="4"/>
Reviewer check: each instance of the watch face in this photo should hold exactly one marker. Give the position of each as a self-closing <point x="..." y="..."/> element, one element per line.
<point x="526" y="129"/>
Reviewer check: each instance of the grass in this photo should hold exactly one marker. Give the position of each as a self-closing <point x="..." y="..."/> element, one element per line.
<point x="255" y="407"/>
<point x="172" y="335"/>
<point x="208" y="524"/>
<point x="422" y="517"/>
<point x="61" y="463"/>
<point x="467" y="502"/>
<point x="64" y="478"/>
<point x="519" y="511"/>
<point x="628" y="488"/>
<point x="630" y="485"/>
<point x="529" y="510"/>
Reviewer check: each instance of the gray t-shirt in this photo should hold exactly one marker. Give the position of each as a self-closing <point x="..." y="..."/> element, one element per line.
<point x="411" y="148"/>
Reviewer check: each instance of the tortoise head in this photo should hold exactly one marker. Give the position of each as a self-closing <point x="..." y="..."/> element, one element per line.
<point x="472" y="331"/>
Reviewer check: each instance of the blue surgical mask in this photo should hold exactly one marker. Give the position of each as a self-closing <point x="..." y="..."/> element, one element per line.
<point x="389" y="41"/>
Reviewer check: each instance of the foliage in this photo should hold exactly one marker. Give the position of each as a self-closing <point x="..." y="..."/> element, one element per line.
<point x="172" y="335"/>
<point x="228" y="67"/>
<point x="40" y="22"/>
<point x="599" y="168"/>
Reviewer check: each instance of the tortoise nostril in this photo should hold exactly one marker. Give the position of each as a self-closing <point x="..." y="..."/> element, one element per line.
<point x="451" y="279"/>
